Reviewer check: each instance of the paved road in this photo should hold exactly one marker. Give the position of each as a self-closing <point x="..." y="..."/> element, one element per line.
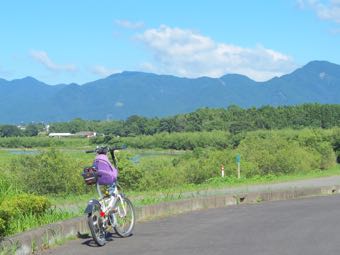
<point x="305" y="226"/>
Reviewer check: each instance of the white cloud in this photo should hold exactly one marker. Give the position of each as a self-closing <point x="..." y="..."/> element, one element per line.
<point x="104" y="71"/>
<point x="327" y="10"/>
<point x="129" y="24"/>
<point x="190" y="54"/>
<point x="43" y="58"/>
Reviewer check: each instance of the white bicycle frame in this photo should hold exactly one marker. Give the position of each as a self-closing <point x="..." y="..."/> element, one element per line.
<point x="108" y="203"/>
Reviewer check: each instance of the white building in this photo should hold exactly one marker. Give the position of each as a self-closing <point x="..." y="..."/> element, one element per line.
<point x="60" y="135"/>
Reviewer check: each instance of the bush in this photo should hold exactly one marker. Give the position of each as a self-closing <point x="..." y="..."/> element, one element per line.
<point x="160" y="173"/>
<point x="327" y="155"/>
<point x="176" y="141"/>
<point x="336" y="142"/>
<point x="25" y="204"/>
<point x="27" y="142"/>
<point x="6" y="190"/>
<point x="239" y="127"/>
<point x="206" y="164"/>
<point x="318" y="141"/>
<point x="128" y="175"/>
<point x="50" y="172"/>
<point x="4" y="222"/>
<point x="5" y="185"/>
<point x="20" y="205"/>
<point x="34" y="142"/>
<point x="272" y="152"/>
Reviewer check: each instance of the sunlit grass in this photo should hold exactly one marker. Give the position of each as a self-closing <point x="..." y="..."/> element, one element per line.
<point x="30" y="221"/>
<point x="69" y="206"/>
<point x="147" y="197"/>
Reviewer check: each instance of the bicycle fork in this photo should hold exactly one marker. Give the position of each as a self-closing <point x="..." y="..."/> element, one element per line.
<point x="120" y="198"/>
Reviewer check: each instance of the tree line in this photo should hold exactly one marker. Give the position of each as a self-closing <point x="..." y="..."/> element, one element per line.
<point x="233" y="119"/>
<point x="15" y="131"/>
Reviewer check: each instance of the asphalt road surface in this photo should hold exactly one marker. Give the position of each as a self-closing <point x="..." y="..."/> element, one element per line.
<point x="303" y="226"/>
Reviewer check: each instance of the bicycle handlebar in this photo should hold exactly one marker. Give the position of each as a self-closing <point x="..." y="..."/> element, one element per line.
<point x="108" y="148"/>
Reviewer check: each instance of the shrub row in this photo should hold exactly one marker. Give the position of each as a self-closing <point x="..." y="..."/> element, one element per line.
<point x="175" y="141"/>
<point x="16" y="206"/>
<point x="28" y="142"/>
<point x="220" y="139"/>
<point x="34" y="142"/>
<point x="262" y="153"/>
<point x="50" y="172"/>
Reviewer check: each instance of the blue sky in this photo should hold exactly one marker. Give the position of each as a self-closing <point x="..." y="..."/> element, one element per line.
<point x="81" y="41"/>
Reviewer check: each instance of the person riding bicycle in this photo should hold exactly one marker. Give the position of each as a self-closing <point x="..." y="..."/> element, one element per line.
<point x="107" y="174"/>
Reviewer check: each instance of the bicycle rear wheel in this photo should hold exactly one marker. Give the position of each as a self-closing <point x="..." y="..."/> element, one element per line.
<point x="95" y="223"/>
<point x="125" y="216"/>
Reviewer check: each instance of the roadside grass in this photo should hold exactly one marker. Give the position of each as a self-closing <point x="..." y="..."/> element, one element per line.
<point x="219" y="183"/>
<point x="9" y="249"/>
<point x="141" y="198"/>
<point x="70" y="206"/>
<point x="30" y="221"/>
<point x="271" y="178"/>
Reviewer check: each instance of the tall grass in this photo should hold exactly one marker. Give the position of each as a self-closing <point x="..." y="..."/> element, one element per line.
<point x="6" y="187"/>
<point x="25" y="222"/>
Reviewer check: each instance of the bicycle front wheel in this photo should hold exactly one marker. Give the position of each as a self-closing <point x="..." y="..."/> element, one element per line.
<point x="125" y="216"/>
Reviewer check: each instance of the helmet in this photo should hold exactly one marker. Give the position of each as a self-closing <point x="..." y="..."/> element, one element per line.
<point x="102" y="150"/>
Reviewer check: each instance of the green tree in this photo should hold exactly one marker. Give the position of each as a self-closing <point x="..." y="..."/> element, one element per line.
<point x="9" y="130"/>
<point x="51" y="172"/>
<point x="31" y="130"/>
<point x="240" y="126"/>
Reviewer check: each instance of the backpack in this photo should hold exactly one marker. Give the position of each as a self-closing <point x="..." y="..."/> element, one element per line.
<point x="106" y="173"/>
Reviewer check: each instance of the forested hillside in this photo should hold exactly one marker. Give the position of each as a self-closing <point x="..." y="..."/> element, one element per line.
<point x="145" y="94"/>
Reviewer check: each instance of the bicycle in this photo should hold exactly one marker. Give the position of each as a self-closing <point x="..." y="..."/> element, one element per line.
<point x="112" y="210"/>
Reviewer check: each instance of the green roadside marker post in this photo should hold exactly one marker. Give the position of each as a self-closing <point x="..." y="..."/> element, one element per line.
<point x="238" y="161"/>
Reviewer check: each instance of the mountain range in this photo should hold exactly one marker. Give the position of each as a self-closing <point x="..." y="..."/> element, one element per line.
<point x="136" y="93"/>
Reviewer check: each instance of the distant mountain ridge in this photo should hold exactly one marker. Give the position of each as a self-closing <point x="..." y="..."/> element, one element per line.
<point x="128" y="93"/>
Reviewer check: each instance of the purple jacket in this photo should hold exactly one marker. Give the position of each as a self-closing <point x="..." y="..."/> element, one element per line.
<point x="106" y="172"/>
